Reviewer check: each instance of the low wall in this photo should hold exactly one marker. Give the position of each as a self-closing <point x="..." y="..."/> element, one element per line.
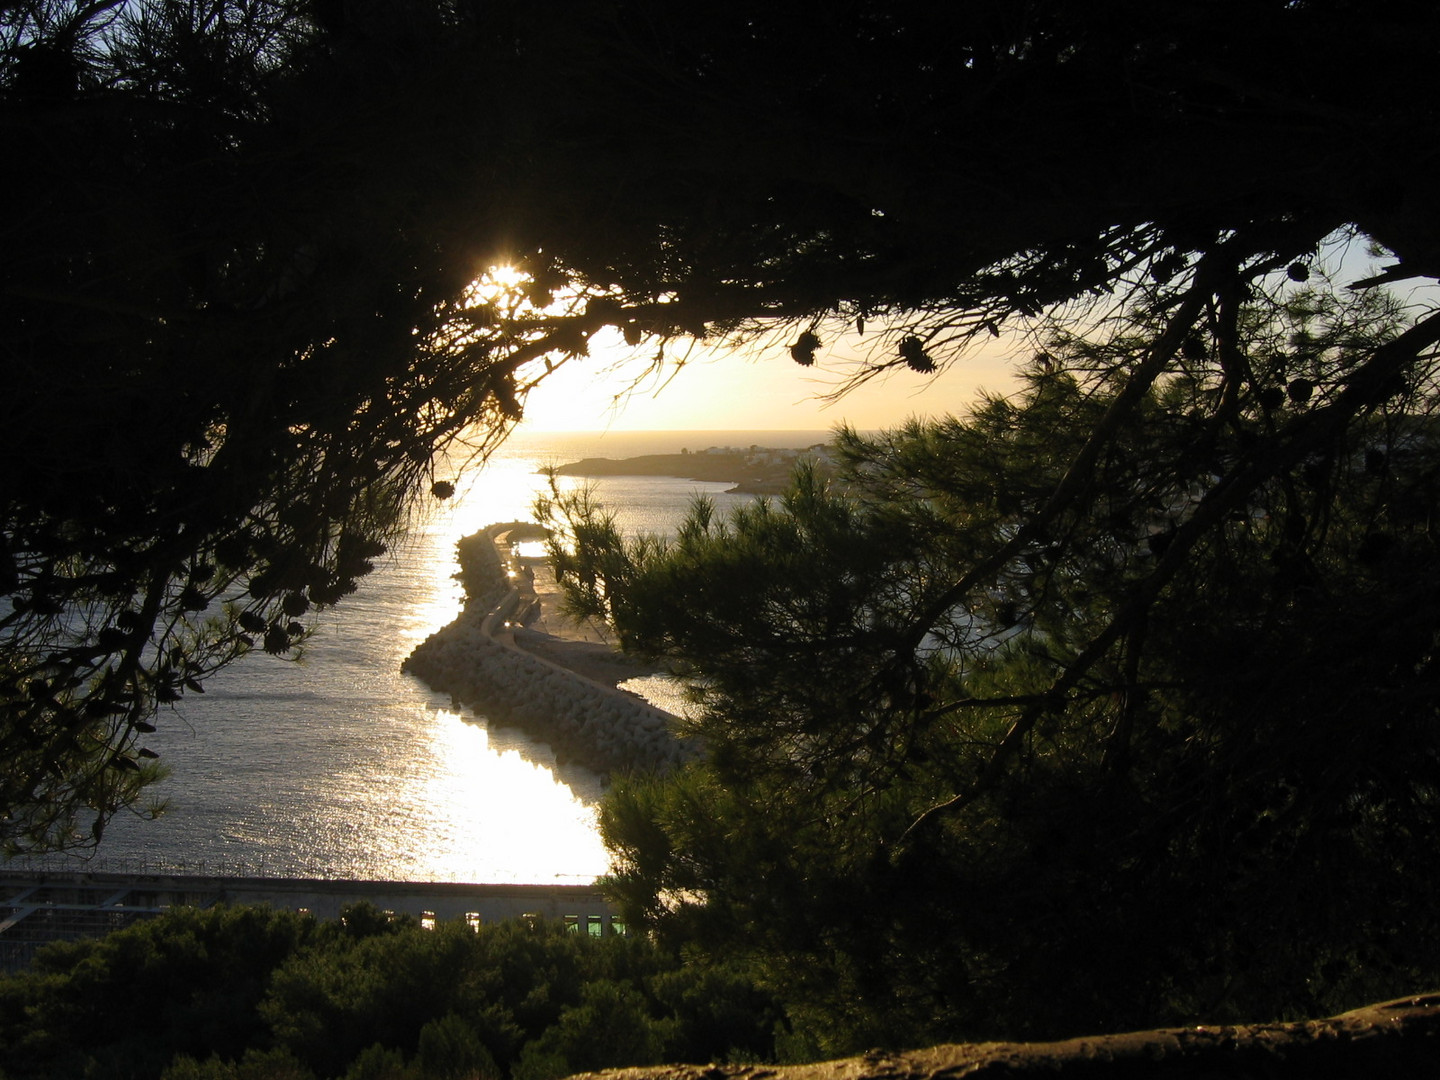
<point x="37" y="907"/>
<point x="322" y="897"/>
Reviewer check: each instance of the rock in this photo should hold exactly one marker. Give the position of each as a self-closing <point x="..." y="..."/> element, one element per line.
<point x="1395" y="1040"/>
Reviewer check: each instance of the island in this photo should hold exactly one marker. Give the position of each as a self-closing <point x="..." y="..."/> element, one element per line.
<point x="753" y="470"/>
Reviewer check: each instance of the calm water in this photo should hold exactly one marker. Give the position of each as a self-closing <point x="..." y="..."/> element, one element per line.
<point x="339" y="766"/>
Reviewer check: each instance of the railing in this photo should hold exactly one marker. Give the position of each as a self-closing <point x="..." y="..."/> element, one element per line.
<point x="235" y="867"/>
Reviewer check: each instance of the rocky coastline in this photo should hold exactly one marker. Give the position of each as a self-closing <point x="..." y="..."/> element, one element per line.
<point x="557" y="689"/>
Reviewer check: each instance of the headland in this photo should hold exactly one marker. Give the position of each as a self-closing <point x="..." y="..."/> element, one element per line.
<point x="753" y="470"/>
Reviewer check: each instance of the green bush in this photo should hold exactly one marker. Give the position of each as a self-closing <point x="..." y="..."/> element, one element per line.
<point x="254" y="994"/>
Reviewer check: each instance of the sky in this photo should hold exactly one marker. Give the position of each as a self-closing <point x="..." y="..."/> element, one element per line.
<point x="751" y="389"/>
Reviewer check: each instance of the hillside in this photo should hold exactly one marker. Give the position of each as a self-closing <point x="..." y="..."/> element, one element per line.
<point x="754" y="470"/>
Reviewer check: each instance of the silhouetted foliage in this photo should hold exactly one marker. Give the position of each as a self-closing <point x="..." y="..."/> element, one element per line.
<point x="249" y="992"/>
<point x="1104" y="707"/>
<point x="125" y="1005"/>
<point x="240" y="317"/>
<point x="939" y="170"/>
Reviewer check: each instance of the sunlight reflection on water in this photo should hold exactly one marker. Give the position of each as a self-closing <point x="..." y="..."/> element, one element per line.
<point x="340" y="766"/>
<point x="506" y="802"/>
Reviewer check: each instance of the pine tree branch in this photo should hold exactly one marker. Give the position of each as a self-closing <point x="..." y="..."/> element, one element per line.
<point x="1367" y="388"/>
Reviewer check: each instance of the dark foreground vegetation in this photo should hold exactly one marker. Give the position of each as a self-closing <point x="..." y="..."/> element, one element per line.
<point x="255" y="994"/>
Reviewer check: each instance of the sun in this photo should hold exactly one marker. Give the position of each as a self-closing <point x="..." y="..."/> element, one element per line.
<point x="498" y="284"/>
<point x="504" y="276"/>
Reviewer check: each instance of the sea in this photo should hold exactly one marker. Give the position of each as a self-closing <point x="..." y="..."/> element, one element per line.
<point x="339" y="766"/>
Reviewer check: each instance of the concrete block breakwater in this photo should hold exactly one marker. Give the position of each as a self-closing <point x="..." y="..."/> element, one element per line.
<point x="473" y="660"/>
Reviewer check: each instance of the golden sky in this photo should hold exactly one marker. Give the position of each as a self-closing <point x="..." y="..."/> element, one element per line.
<point x="751" y="388"/>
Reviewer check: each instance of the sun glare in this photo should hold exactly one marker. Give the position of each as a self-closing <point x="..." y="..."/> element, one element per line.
<point x="496" y="282"/>
<point x="506" y="276"/>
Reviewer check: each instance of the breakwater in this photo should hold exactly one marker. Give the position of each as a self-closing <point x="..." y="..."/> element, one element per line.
<point x="477" y="663"/>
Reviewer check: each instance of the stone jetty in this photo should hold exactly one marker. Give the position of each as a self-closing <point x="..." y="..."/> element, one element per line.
<point x="476" y="661"/>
